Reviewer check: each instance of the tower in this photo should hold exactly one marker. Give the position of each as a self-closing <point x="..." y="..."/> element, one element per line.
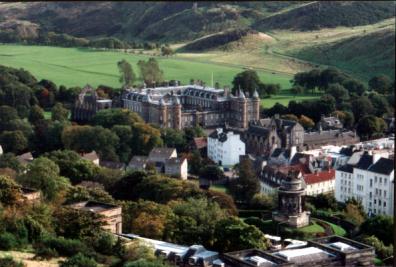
<point x="177" y="113"/>
<point x="256" y="106"/>
<point x="162" y="113"/>
<point x="242" y="103"/>
<point x="291" y="202"/>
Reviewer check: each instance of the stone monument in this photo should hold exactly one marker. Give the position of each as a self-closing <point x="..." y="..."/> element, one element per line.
<point x="291" y="203"/>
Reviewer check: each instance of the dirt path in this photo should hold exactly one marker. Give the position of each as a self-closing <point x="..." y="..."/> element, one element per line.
<point x="27" y="259"/>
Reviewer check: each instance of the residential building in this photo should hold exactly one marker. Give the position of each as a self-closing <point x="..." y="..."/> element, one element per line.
<point x="111" y="214"/>
<point x="320" y="182"/>
<point x="192" y="105"/>
<point x="225" y="147"/>
<point x="200" y="144"/>
<point x="164" y="160"/>
<point x="177" y="167"/>
<point x="87" y="104"/>
<point x="369" y="180"/>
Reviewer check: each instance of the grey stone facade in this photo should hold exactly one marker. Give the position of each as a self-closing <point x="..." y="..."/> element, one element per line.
<point x="87" y="104"/>
<point x="192" y="105"/>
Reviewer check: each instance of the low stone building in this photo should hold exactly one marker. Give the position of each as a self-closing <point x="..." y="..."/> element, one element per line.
<point x="329" y="251"/>
<point x="25" y="158"/>
<point x="320" y="138"/>
<point x="112" y="214"/>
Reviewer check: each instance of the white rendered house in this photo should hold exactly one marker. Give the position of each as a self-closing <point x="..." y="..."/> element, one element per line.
<point x="370" y="181"/>
<point x="225" y="147"/>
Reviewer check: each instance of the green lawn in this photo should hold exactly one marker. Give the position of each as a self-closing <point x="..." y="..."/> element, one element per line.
<point x="312" y="228"/>
<point x="219" y="188"/>
<point x="284" y="99"/>
<point x="338" y="230"/>
<point x="77" y="66"/>
<point x="47" y="114"/>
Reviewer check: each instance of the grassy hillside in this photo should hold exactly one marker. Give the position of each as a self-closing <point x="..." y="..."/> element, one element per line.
<point x="77" y="67"/>
<point x="366" y="55"/>
<point x="329" y="14"/>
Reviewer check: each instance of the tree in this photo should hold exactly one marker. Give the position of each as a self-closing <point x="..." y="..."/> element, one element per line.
<point x="338" y="92"/>
<point x="354" y="211"/>
<point x="211" y="173"/>
<point x="345" y="117"/>
<point x="232" y="234"/>
<point x="150" y="71"/>
<point x="79" y="260"/>
<point x="195" y="162"/>
<point x="306" y="122"/>
<point x="10" y="191"/>
<point x="297" y="89"/>
<point x="194" y="222"/>
<point x="59" y="113"/>
<point x="8" y="160"/>
<point x="324" y="201"/>
<point x="77" y="224"/>
<point x="43" y="174"/>
<point x="146" y="218"/>
<point x="380" y="226"/>
<point x="174" y="138"/>
<point x="290" y="117"/>
<point x="370" y="126"/>
<point x="145" y="138"/>
<point x="361" y="107"/>
<point x="246" y="185"/>
<point x="382" y="84"/>
<point x="247" y="80"/>
<point x="127" y="76"/>
<point x="354" y="86"/>
<point x="13" y="141"/>
<point x="107" y="118"/>
<point x="380" y="105"/>
<point x="7" y="114"/>
<point x="166" y="51"/>
<point x="36" y="113"/>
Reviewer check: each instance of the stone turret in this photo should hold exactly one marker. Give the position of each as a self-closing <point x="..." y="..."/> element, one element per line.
<point x="256" y="105"/>
<point x="177" y="113"/>
<point x="163" y="112"/>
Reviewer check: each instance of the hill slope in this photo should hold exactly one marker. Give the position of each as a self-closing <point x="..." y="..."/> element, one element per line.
<point x="365" y="55"/>
<point x="329" y="14"/>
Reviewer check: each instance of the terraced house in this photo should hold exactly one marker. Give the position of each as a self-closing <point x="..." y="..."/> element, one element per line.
<point x="191" y="105"/>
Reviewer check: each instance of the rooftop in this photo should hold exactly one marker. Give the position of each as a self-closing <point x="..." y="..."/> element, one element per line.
<point x="93" y="206"/>
<point x="161" y="152"/>
<point x="304" y="255"/>
<point x="383" y="166"/>
<point x="319" y="177"/>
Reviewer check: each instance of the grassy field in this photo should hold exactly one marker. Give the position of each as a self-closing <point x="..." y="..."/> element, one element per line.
<point x="284" y="99"/>
<point x="338" y="230"/>
<point x="312" y="228"/>
<point x="77" y="67"/>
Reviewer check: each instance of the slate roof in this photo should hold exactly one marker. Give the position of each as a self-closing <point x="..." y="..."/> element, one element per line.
<point x="175" y="161"/>
<point x="276" y="152"/>
<point x="163" y="152"/>
<point x="90" y="156"/>
<point x="346" y="168"/>
<point x="364" y="162"/>
<point x="25" y="158"/>
<point x="297" y="158"/>
<point x="383" y="166"/>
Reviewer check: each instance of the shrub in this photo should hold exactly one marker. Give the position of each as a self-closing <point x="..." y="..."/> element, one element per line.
<point x="64" y="247"/>
<point x="9" y="262"/>
<point x="79" y="260"/>
<point x="145" y="263"/>
<point x="45" y="253"/>
<point x="8" y="241"/>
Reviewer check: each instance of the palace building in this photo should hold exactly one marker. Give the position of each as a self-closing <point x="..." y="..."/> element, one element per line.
<point x="193" y="105"/>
